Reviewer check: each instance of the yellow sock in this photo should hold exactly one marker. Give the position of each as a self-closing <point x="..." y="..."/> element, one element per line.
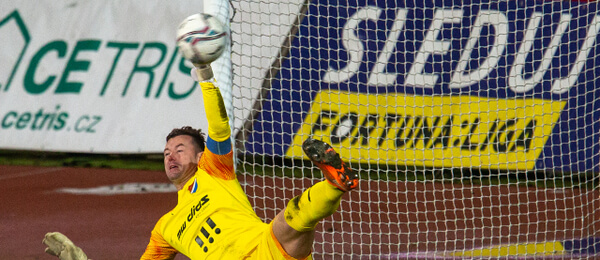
<point x="304" y="212"/>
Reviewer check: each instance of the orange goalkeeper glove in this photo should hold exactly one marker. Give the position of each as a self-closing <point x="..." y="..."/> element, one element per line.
<point x="61" y="246"/>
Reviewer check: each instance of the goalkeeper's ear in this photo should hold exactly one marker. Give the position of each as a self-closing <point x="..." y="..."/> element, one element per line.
<point x="202" y="72"/>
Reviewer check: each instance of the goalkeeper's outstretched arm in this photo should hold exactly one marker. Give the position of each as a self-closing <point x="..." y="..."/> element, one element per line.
<point x="219" y="131"/>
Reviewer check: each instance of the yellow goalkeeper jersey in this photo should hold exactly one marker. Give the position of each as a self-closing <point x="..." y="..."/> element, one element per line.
<point x="213" y="218"/>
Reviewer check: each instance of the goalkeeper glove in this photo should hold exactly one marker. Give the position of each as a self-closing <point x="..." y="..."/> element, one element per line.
<point x="202" y="72"/>
<point x="59" y="245"/>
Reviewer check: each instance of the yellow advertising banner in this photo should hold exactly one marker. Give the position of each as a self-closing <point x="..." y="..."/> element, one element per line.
<point x="441" y="131"/>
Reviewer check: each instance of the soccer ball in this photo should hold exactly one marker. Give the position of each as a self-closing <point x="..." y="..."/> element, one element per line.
<point x="201" y="38"/>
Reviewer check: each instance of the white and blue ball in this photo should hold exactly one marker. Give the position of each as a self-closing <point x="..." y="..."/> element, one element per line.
<point x="201" y="38"/>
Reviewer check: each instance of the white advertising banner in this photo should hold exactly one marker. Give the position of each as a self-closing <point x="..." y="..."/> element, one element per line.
<point x="96" y="76"/>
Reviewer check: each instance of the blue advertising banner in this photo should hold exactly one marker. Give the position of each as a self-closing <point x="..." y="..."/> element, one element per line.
<point x="482" y="84"/>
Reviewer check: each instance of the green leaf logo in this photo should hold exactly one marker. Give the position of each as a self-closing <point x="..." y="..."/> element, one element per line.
<point x="12" y="28"/>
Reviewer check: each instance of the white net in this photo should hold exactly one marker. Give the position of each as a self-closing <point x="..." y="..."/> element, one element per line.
<point x="474" y="124"/>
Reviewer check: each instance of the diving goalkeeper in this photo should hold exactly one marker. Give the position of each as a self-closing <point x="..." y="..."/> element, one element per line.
<point x="213" y="218"/>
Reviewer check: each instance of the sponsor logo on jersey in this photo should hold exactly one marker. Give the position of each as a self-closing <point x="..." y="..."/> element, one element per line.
<point x="193" y="213"/>
<point x="194" y="187"/>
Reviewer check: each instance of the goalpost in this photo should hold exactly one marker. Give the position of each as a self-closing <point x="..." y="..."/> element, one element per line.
<point x="474" y="125"/>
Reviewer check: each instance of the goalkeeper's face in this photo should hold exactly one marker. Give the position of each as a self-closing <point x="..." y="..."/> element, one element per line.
<point x="181" y="159"/>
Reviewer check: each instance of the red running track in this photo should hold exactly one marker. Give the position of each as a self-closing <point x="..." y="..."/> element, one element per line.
<point x="386" y="218"/>
<point x="105" y="227"/>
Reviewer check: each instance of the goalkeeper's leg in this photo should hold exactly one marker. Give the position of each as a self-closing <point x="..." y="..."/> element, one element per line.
<point x="294" y="227"/>
<point x="328" y="160"/>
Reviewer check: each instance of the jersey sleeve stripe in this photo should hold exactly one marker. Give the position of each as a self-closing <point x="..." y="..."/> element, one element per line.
<point x="219" y="148"/>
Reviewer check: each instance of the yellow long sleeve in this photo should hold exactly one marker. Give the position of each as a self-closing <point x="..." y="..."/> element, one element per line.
<point x="216" y="113"/>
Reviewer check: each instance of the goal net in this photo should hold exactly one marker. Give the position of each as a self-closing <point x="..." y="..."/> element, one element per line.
<point x="474" y="125"/>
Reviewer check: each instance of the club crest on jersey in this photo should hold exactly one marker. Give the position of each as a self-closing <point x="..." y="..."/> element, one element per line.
<point x="194" y="187"/>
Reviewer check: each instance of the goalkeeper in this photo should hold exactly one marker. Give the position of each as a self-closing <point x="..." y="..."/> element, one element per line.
<point x="214" y="218"/>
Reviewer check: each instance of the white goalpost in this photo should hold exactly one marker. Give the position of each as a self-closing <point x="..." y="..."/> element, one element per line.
<point x="475" y="125"/>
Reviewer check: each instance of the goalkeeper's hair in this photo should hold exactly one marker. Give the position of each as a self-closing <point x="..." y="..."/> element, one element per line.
<point x="196" y="135"/>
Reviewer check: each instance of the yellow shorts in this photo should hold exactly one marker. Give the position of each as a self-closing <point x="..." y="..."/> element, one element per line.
<point x="269" y="248"/>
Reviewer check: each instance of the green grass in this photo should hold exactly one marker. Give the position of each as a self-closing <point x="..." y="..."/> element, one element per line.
<point x="152" y="162"/>
<point x="273" y="166"/>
